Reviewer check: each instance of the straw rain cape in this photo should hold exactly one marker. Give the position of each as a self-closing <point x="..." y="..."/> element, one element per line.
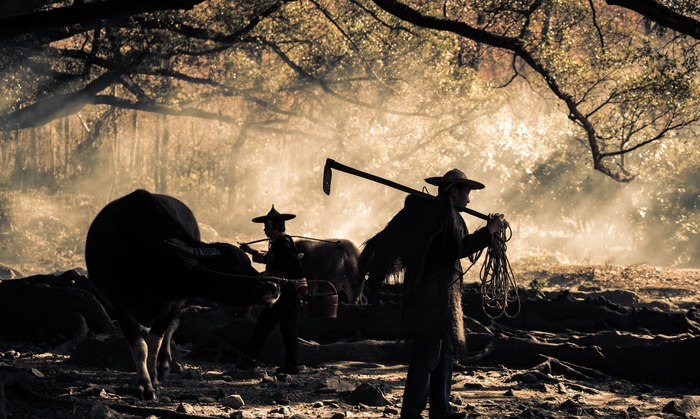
<point x="424" y="242"/>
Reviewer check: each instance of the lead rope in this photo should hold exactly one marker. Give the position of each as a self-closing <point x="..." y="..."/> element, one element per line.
<point x="498" y="286"/>
<point x="499" y="291"/>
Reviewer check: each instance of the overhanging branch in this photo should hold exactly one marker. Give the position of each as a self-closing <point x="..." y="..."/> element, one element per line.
<point x="82" y="13"/>
<point x="415" y="17"/>
<point x="57" y="106"/>
<point x="155" y="108"/>
<point x="661" y="14"/>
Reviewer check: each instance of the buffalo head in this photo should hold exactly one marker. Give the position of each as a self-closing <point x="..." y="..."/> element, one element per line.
<point x="223" y="273"/>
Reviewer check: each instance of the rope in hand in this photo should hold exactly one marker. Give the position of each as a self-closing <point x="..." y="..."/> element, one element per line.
<point x="499" y="290"/>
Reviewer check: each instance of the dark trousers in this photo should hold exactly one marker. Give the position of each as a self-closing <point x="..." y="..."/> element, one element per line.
<point x="429" y="378"/>
<point x="284" y="313"/>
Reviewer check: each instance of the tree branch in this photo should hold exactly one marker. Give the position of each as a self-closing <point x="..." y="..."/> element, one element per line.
<point x="81" y="13"/>
<point x="661" y="14"/>
<point x="147" y="106"/>
<point x="515" y="45"/>
<point x="595" y="23"/>
<point x="57" y="106"/>
<point x="304" y="75"/>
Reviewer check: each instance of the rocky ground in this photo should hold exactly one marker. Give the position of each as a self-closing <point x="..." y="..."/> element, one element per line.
<point x="39" y="383"/>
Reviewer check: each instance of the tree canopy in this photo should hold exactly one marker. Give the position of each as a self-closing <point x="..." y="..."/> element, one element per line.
<point x="624" y="72"/>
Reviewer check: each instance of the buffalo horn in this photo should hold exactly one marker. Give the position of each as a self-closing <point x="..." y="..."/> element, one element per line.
<point x="194" y="251"/>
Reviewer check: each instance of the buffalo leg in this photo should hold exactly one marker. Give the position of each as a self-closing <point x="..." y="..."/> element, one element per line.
<point x="139" y="352"/>
<point x="154" y="342"/>
<point x="134" y="333"/>
<point x="165" y="355"/>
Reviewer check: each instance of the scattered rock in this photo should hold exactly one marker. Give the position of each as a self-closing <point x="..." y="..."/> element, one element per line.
<point x="236" y="415"/>
<point x="317" y="404"/>
<point x="339" y="385"/>
<point x="571" y="407"/>
<point x="284" y="410"/>
<point x="391" y="411"/>
<point x="283" y="378"/>
<point x="687" y="407"/>
<point x="267" y="378"/>
<point x="234" y="400"/>
<point x="100" y="411"/>
<point x="338" y="416"/>
<point x="369" y="395"/>
<point x="185" y="408"/>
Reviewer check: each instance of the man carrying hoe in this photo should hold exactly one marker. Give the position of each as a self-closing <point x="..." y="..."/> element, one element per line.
<point x="426" y="240"/>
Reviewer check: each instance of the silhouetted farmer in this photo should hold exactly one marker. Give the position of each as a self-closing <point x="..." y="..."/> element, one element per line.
<point x="426" y="240"/>
<point x="281" y="260"/>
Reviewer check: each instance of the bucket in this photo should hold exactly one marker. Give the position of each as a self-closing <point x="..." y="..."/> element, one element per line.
<point x="239" y="310"/>
<point x="324" y="305"/>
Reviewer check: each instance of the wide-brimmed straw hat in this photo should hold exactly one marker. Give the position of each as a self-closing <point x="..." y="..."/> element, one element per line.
<point x="273" y="215"/>
<point x="455" y="176"/>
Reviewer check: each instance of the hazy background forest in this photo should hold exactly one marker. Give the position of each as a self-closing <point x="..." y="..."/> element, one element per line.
<point x="233" y="107"/>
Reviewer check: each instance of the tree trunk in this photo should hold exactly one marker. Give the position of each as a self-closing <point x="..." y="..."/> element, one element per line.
<point x="156" y="156"/>
<point x="56" y="148"/>
<point x="17" y="176"/>
<point x="163" y="164"/>
<point x="66" y="145"/>
<point x="115" y="158"/>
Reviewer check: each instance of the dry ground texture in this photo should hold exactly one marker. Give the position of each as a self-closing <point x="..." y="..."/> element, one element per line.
<point x="40" y="384"/>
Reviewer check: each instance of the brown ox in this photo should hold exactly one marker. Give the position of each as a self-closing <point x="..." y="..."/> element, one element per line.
<point x="335" y="261"/>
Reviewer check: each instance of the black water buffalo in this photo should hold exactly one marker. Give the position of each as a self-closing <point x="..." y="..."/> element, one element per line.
<point x="143" y="252"/>
<point x="62" y="306"/>
<point x="333" y="260"/>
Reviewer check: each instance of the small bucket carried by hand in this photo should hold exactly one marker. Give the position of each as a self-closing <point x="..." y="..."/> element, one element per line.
<point x="324" y="305"/>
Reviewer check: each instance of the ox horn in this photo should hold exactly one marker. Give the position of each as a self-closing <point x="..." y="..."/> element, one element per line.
<point x="193" y="251"/>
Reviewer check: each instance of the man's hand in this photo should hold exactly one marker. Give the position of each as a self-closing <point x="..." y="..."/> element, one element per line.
<point x="246" y="248"/>
<point x="496" y="223"/>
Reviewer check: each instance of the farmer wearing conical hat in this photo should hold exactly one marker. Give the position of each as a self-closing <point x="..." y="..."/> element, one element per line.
<point x="281" y="260"/>
<point x="425" y="241"/>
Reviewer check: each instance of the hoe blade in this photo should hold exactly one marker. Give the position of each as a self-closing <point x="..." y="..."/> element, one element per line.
<point x="327" y="176"/>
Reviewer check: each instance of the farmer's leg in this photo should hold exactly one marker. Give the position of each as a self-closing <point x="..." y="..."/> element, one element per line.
<point x="268" y="318"/>
<point x="424" y="358"/>
<point x="441" y="381"/>
<point x="288" y="329"/>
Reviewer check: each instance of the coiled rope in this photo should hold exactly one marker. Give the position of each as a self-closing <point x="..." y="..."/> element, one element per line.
<point x="499" y="291"/>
